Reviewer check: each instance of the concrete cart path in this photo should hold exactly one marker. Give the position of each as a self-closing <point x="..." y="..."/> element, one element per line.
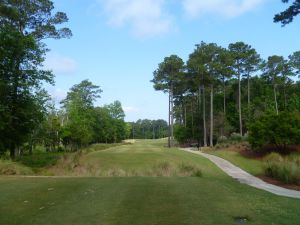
<point x="246" y="178"/>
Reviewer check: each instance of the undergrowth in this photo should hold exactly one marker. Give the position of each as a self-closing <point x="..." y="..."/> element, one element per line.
<point x="8" y="167"/>
<point x="285" y="169"/>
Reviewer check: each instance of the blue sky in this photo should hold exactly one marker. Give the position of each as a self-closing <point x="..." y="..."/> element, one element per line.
<point x="117" y="44"/>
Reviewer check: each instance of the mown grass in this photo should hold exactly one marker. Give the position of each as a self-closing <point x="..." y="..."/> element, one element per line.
<point x="252" y="166"/>
<point x="213" y="198"/>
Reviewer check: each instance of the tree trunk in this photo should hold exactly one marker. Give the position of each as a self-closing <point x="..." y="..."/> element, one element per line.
<point x="172" y="119"/>
<point x="285" y="96"/>
<point x="12" y="152"/>
<point x="224" y="107"/>
<point x="211" y="115"/>
<point x="192" y="111"/>
<point x="204" y="118"/>
<point x="275" y="98"/>
<point x="169" y="130"/>
<point x="249" y="97"/>
<point x="184" y="114"/>
<point x="239" y="105"/>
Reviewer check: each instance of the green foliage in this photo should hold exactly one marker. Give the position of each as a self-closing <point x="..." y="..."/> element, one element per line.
<point x="168" y="74"/>
<point x="148" y="129"/>
<point x="279" y="130"/>
<point x="182" y="134"/>
<point x="24" y="24"/>
<point x="285" y="169"/>
<point x="39" y="160"/>
<point x="287" y="16"/>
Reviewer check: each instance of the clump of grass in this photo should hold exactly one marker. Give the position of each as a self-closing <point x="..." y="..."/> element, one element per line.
<point x="162" y="169"/>
<point x="115" y="172"/>
<point x="285" y="169"/>
<point x="189" y="170"/>
<point x="8" y="167"/>
<point x="167" y="169"/>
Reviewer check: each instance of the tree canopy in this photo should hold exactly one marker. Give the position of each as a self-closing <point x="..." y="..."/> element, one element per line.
<point x="288" y="15"/>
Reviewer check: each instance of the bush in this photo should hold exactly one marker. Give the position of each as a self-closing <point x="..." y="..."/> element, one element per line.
<point x="236" y="137"/>
<point x="181" y="134"/>
<point x="40" y="159"/>
<point x="222" y="139"/>
<point x="285" y="169"/>
<point x="278" y="130"/>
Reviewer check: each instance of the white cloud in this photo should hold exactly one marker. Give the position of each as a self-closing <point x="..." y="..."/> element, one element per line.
<point x="129" y="109"/>
<point x="227" y="8"/>
<point x="144" y="17"/>
<point x="60" y="64"/>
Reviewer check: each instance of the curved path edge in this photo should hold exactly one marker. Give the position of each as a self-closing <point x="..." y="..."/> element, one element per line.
<point x="244" y="177"/>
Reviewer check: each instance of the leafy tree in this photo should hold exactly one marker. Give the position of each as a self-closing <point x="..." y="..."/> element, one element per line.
<point x="117" y="124"/>
<point x="273" y="70"/>
<point x="294" y="61"/>
<point x="197" y="70"/>
<point x="78" y="106"/>
<point x="288" y="15"/>
<point x="245" y="61"/>
<point x="116" y="111"/>
<point x="166" y="78"/>
<point x="24" y="25"/>
<point x="148" y="129"/>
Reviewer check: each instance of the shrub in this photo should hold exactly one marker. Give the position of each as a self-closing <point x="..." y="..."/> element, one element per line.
<point x="278" y="130"/>
<point x="40" y="159"/>
<point x="236" y="137"/>
<point x="285" y="169"/>
<point x="189" y="170"/>
<point x="222" y="139"/>
<point x="181" y="134"/>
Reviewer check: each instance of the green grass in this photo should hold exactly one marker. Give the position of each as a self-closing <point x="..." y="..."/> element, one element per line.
<point x="144" y="158"/>
<point x="213" y="198"/>
<point x="252" y="166"/>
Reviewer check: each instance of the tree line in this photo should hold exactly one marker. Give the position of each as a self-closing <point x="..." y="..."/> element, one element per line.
<point x="148" y="129"/>
<point x="78" y="123"/>
<point x="28" y="117"/>
<point x="220" y="90"/>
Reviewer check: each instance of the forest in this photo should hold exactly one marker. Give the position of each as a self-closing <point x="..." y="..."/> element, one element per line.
<point x="222" y="91"/>
<point x="28" y="116"/>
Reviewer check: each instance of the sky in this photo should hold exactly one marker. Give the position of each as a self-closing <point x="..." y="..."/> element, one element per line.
<point x="117" y="44"/>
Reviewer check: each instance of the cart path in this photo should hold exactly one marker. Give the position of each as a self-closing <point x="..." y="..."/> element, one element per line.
<point x="246" y="178"/>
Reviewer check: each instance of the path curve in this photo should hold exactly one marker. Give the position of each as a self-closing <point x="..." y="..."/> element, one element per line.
<point x="246" y="178"/>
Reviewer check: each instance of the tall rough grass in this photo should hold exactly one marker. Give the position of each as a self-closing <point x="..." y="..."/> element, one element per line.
<point x="285" y="169"/>
<point x="8" y="167"/>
